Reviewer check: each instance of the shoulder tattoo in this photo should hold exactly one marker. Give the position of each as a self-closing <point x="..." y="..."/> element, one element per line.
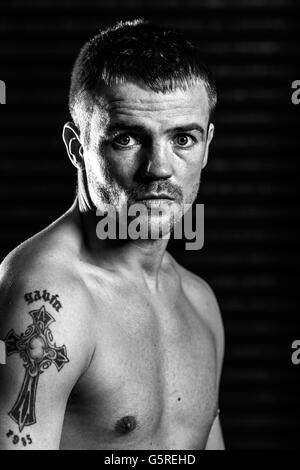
<point x="38" y="352"/>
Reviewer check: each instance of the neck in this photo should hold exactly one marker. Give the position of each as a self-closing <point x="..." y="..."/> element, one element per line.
<point x="141" y="257"/>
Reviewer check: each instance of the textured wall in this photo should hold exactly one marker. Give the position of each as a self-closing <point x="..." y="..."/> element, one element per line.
<point x="249" y="188"/>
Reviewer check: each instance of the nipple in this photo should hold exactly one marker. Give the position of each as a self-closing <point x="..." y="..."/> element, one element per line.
<point x="125" y="424"/>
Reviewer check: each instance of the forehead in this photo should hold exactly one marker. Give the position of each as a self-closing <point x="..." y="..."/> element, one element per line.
<point x="136" y="104"/>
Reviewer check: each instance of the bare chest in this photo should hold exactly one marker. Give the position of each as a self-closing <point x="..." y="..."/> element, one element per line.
<point x="152" y="381"/>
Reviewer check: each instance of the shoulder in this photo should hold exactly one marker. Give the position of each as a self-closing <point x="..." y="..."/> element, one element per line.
<point x="36" y="265"/>
<point x="49" y="258"/>
<point x="201" y="295"/>
<point x="37" y="277"/>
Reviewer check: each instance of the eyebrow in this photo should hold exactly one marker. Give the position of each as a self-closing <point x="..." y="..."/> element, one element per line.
<point x="122" y="126"/>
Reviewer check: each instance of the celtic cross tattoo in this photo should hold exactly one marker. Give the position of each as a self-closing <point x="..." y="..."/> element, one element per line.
<point x="38" y="352"/>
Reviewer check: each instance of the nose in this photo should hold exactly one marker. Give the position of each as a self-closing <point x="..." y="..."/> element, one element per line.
<point x="156" y="164"/>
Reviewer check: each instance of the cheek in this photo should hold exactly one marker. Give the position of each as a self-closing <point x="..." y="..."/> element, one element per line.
<point x="98" y="168"/>
<point x="190" y="179"/>
<point x="93" y="163"/>
<point x="123" y="166"/>
<point x="109" y="168"/>
<point x="191" y="170"/>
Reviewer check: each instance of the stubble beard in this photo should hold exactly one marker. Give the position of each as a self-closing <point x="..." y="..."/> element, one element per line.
<point x="112" y="195"/>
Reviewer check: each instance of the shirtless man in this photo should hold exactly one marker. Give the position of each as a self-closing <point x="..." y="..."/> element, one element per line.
<point x="114" y="345"/>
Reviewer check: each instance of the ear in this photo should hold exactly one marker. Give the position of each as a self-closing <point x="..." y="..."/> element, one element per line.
<point x="71" y="138"/>
<point x="210" y="135"/>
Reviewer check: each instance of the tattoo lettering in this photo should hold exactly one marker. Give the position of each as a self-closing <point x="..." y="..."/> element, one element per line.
<point x="44" y="295"/>
<point x="38" y="352"/>
<point x="16" y="439"/>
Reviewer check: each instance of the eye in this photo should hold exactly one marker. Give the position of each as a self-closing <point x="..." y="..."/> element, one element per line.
<point x="124" y="140"/>
<point x="184" y="140"/>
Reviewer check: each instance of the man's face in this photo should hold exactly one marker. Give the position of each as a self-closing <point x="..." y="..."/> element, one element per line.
<point x="147" y="147"/>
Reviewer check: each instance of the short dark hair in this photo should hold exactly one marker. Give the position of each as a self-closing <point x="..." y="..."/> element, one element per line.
<point x="163" y="59"/>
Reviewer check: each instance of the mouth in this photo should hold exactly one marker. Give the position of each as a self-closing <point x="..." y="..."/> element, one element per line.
<point x="155" y="197"/>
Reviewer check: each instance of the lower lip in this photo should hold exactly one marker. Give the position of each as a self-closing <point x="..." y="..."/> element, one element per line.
<point x="156" y="200"/>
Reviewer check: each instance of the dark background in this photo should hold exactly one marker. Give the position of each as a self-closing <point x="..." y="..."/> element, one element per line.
<point x="251" y="254"/>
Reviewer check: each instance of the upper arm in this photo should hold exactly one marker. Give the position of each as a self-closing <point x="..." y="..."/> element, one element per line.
<point x="214" y="318"/>
<point x="208" y="307"/>
<point x="215" y="439"/>
<point x="43" y="338"/>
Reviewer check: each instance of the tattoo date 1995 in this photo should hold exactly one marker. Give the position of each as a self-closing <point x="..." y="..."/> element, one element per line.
<point x="26" y="441"/>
